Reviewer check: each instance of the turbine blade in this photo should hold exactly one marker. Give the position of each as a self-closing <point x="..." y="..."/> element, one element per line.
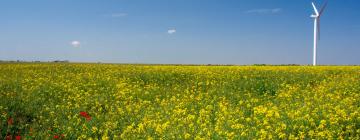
<point x="316" y="11"/>
<point x="318" y="28"/>
<point x="323" y="7"/>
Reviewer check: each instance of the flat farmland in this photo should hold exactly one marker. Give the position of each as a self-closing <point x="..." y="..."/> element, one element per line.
<point x="114" y="101"/>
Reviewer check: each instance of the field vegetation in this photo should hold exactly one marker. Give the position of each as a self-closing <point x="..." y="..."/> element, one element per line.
<point x="109" y="101"/>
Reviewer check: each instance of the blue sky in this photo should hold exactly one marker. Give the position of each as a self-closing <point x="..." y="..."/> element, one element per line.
<point x="178" y="31"/>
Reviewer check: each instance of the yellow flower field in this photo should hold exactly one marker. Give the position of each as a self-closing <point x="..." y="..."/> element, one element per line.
<point x="109" y="101"/>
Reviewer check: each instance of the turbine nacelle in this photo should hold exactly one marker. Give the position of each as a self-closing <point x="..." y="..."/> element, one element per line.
<point x="314" y="16"/>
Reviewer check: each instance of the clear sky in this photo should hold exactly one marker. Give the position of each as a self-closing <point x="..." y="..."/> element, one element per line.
<point x="178" y="31"/>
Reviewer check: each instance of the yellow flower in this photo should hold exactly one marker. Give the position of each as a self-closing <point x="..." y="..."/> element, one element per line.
<point x="94" y="129"/>
<point x="187" y="136"/>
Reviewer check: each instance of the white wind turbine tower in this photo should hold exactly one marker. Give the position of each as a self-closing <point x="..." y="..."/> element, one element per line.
<point x="316" y="17"/>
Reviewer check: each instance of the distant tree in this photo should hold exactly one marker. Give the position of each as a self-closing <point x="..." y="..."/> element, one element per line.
<point x="259" y="65"/>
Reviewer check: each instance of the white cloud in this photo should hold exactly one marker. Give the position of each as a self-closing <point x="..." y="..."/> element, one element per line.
<point x="171" y="31"/>
<point x="264" y="11"/>
<point x="75" y="43"/>
<point x="118" y="15"/>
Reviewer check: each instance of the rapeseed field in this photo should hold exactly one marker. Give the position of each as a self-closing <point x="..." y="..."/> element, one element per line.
<point x="110" y="101"/>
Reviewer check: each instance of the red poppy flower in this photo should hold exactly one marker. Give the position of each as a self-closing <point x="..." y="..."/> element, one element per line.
<point x="59" y="136"/>
<point x="85" y="115"/>
<point x="10" y="121"/>
<point x="88" y="118"/>
<point x="18" y="137"/>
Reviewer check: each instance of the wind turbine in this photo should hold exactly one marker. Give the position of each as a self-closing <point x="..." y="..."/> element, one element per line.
<point x="316" y="17"/>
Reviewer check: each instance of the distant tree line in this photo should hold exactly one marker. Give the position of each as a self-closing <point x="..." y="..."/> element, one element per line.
<point x="276" y="65"/>
<point x="22" y="61"/>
